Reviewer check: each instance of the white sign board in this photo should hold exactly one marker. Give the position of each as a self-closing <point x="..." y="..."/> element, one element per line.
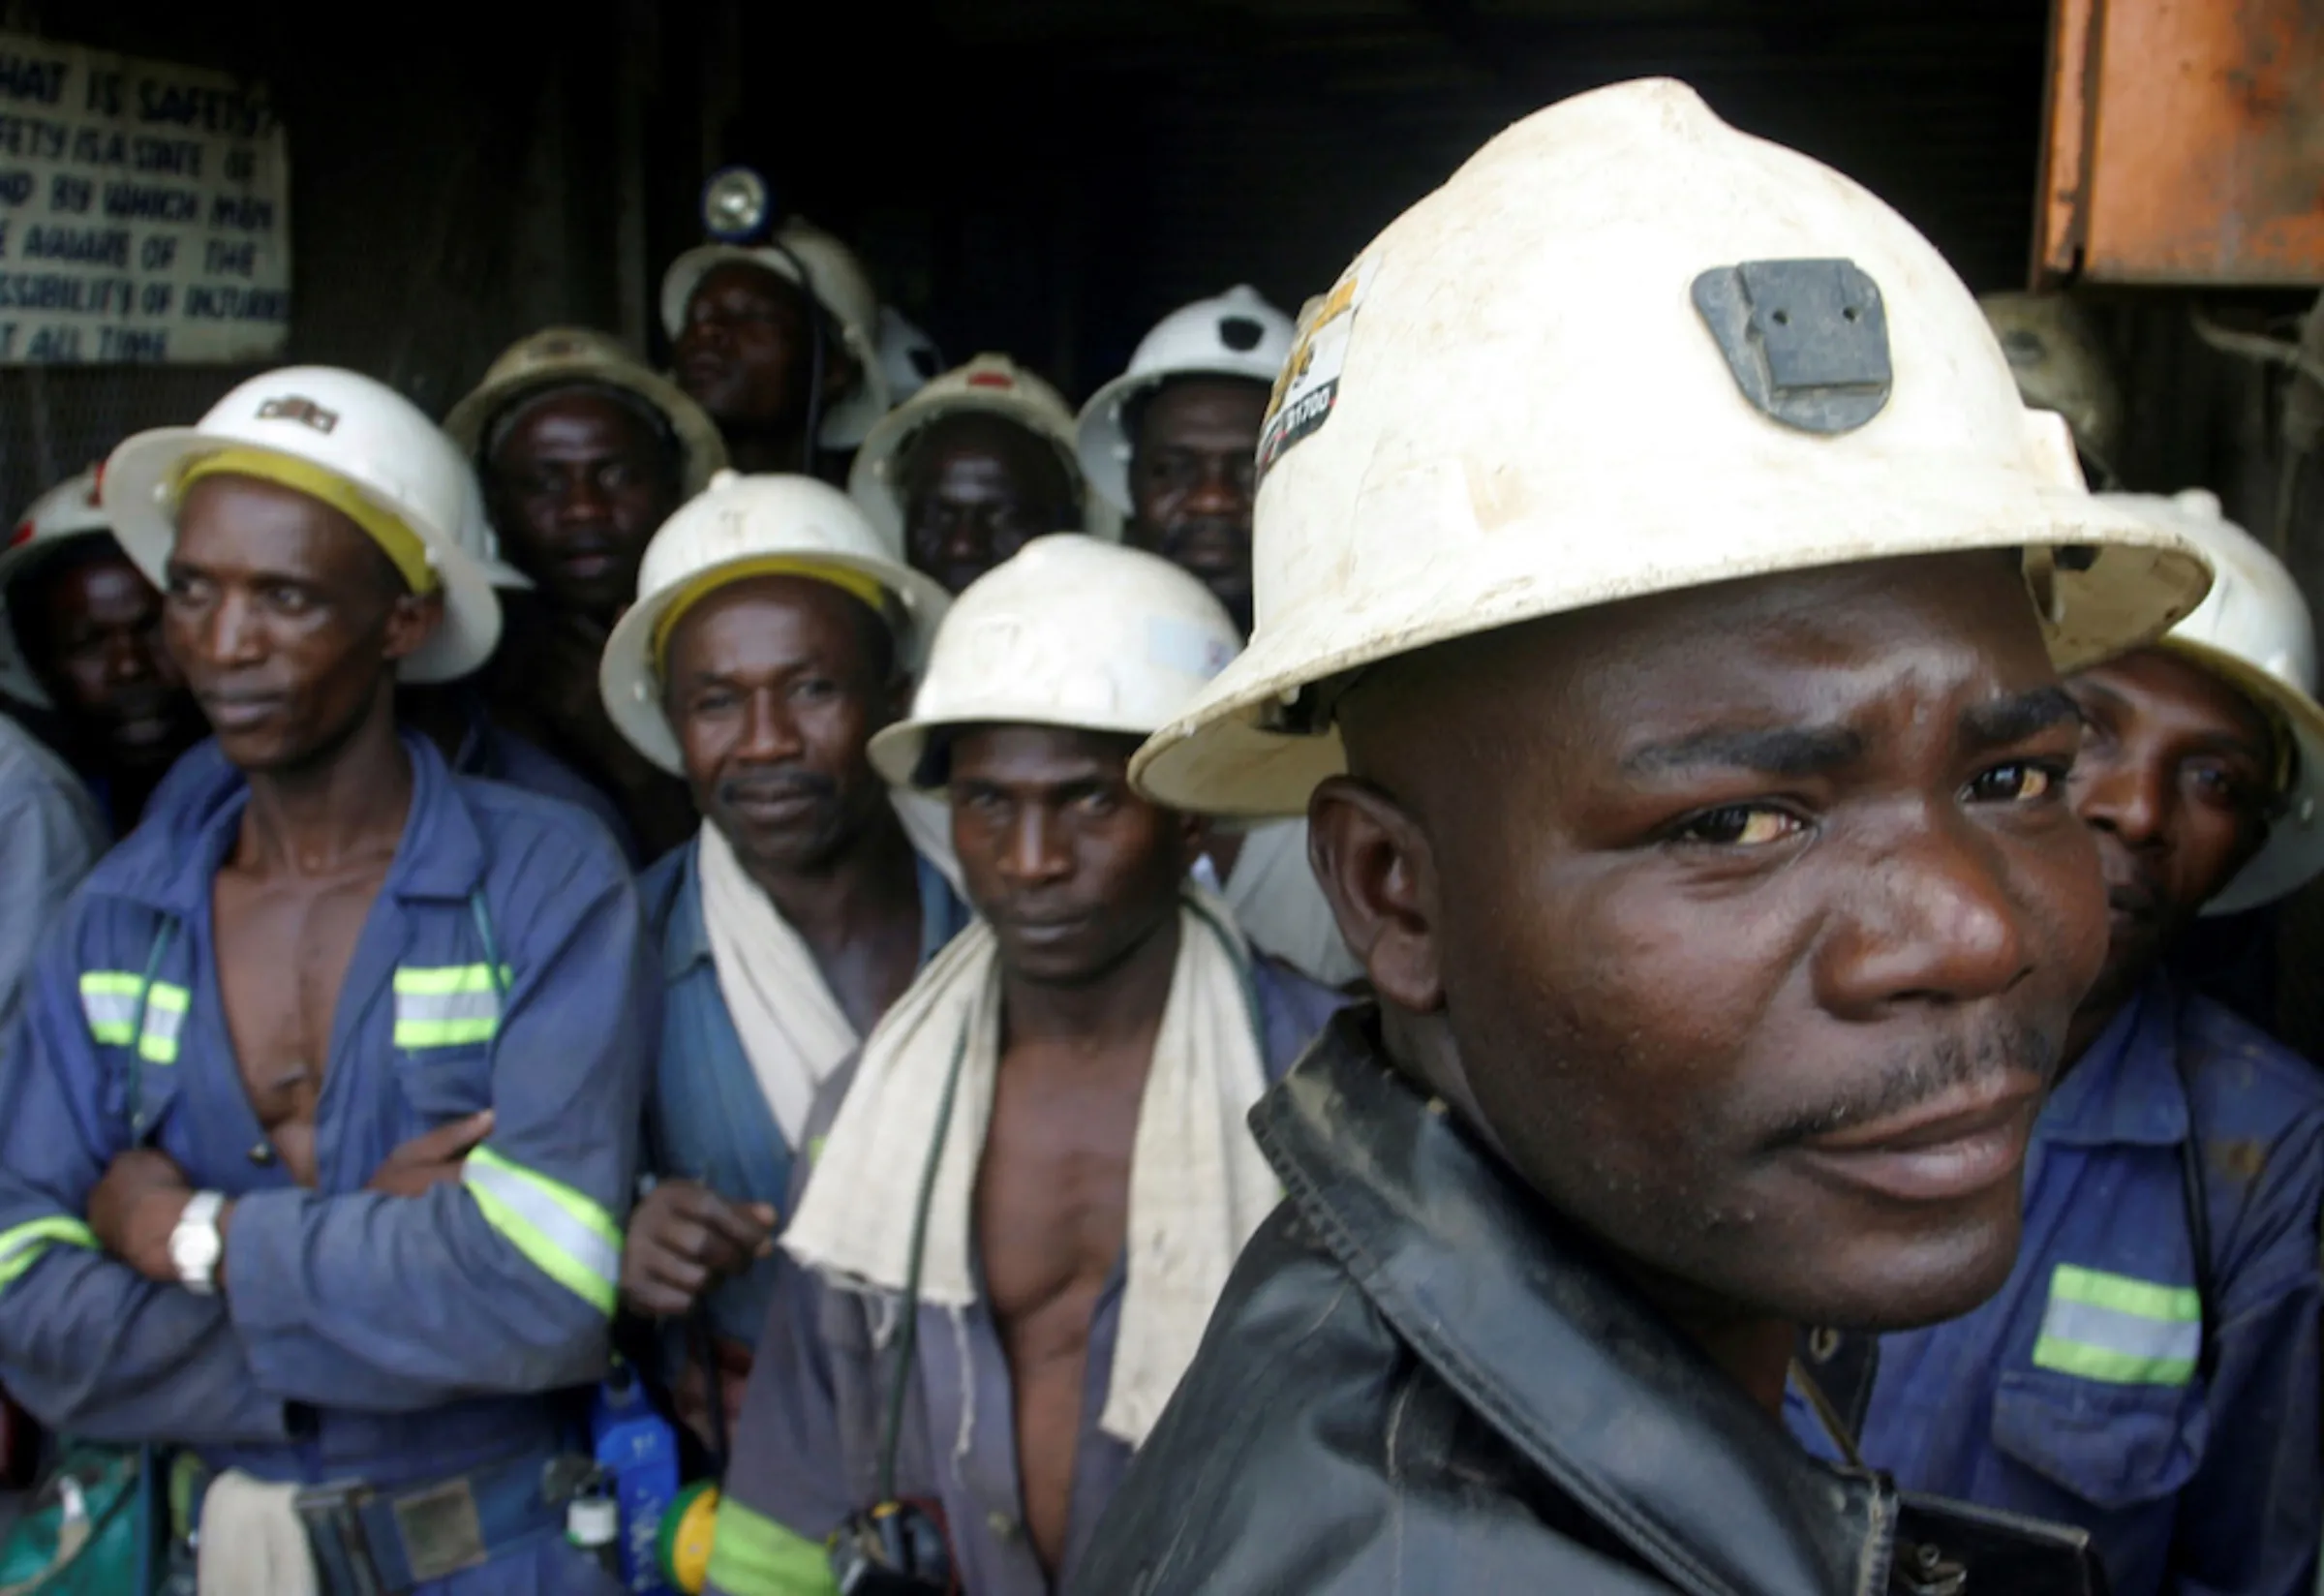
<point x="145" y="211"/>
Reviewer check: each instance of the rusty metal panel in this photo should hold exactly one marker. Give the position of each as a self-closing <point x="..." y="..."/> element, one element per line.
<point x="2186" y="142"/>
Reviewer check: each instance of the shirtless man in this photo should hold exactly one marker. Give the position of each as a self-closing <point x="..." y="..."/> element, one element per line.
<point x="349" y="1218"/>
<point x="1058" y="1100"/>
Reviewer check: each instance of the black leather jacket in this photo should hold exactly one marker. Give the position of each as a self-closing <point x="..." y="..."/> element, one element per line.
<point x="1416" y="1384"/>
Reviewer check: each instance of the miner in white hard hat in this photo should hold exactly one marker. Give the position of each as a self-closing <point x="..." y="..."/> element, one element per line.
<point x="778" y="340"/>
<point x="774" y="633"/>
<point x="582" y="453"/>
<point x="973" y="468"/>
<point x="82" y="656"/>
<point x="1038" y="1164"/>
<point x="1170" y="442"/>
<point x="1661" y="599"/>
<point x="316" y="1157"/>
<point x="2149" y="1371"/>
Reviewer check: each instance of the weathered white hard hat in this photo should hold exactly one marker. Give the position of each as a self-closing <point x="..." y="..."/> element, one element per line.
<point x="352" y="442"/>
<point x="996" y="386"/>
<point x="1237" y="334"/>
<point x="836" y="280"/>
<point x="69" y="509"/>
<point x="909" y="357"/>
<point x="559" y="357"/>
<point x="737" y="527"/>
<point x="2254" y="630"/>
<point x="1071" y="631"/>
<point x="482" y="543"/>
<point x="1628" y="350"/>
<point x="2055" y="356"/>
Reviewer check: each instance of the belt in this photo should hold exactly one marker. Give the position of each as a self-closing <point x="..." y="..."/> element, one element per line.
<point x="374" y="1543"/>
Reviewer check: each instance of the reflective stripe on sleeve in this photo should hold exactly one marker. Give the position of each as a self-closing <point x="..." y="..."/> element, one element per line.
<point x="21" y="1245"/>
<point x="751" y="1554"/>
<point x="2119" y="1330"/>
<point x="567" y="1238"/>
<point x="448" y="1005"/>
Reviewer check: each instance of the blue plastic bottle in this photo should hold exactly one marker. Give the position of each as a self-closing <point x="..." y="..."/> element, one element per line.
<point x="637" y="1447"/>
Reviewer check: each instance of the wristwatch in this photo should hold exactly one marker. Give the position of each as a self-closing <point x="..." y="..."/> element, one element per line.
<point x="195" y="1245"/>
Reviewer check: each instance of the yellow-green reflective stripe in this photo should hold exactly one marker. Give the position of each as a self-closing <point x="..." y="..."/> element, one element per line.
<point x="108" y="1001"/>
<point x="165" y="1017"/>
<point x="2119" y="1330"/>
<point x="21" y="1245"/>
<point x="751" y="1554"/>
<point x="2141" y="1299"/>
<point x="445" y="980"/>
<point x="567" y="1238"/>
<point x="435" y="1033"/>
<point x="2122" y="1369"/>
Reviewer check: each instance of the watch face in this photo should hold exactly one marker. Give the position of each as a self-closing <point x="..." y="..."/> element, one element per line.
<point x="193" y="1244"/>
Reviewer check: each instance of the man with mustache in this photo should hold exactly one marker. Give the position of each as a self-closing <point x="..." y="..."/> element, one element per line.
<point x="582" y="453"/>
<point x="1171" y="443"/>
<point x="773" y="635"/>
<point x="1660" y="594"/>
<point x="1032" y="1183"/>
<point x="2150" y="1369"/>
<point x="779" y="342"/>
<point x="304" y="1157"/>
<point x="80" y="648"/>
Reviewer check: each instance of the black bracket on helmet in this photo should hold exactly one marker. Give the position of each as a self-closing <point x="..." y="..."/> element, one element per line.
<point x="1807" y="340"/>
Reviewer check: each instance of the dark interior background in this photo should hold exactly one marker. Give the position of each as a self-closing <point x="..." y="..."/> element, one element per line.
<point x="1040" y="176"/>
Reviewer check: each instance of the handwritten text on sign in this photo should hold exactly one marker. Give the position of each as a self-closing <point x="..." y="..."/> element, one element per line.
<point x="145" y="211"/>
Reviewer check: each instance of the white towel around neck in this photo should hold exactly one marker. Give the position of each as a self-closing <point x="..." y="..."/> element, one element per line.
<point x="792" y="1029"/>
<point x="1199" y="1185"/>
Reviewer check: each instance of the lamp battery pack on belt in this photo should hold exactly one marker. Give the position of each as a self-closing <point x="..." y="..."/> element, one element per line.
<point x="368" y="1541"/>
<point x="898" y="1547"/>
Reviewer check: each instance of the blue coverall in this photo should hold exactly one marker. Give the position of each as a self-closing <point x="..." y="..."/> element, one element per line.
<point x="2080" y="1393"/>
<point x="707" y="1119"/>
<point x="398" y="1342"/>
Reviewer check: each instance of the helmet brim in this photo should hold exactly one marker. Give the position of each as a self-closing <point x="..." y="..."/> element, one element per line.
<point x="140" y="493"/>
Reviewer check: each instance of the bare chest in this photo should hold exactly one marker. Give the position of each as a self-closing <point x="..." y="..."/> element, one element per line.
<point x="1054" y="1187"/>
<point x="283" y="952"/>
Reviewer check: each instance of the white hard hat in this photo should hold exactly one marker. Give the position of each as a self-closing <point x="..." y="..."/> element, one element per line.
<point x="363" y="436"/>
<point x="561" y="357"/>
<point x="2253" y="629"/>
<point x="834" y="279"/>
<point x="1070" y="632"/>
<point x="909" y="357"/>
<point x="69" y="509"/>
<point x="2055" y="356"/>
<point x="482" y="543"/>
<point x="991" y="383"/>
<point x="1237" y="334"/>
<point x="1627" y="350"/>
<point x="737" y="527"/>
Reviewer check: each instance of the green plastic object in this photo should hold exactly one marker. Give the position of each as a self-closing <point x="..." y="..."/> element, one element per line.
<point x="84" y="1530"/>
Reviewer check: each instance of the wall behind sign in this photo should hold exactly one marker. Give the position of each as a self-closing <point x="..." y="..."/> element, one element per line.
<point x="145" y="211"/>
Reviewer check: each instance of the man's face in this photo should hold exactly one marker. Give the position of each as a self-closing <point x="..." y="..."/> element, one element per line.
<point x="2174" y="781"/>
<point x="287" y="620"/>
<point x="746" y="353"/>
<point x="1757" y="949"/>
<point x="976" y="489"/>
<point x="1073" y="870"/>
<point x="1192" y="478"/>
<point x="94" y="640"/>
<point x="774" y="685"/>
<point x="578" y="487"/>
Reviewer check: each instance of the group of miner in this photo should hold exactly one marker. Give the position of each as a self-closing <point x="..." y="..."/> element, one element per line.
<point x="1518" y="936"/>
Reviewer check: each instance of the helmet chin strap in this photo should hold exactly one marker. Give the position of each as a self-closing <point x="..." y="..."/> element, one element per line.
<point x="815" y="358"/>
